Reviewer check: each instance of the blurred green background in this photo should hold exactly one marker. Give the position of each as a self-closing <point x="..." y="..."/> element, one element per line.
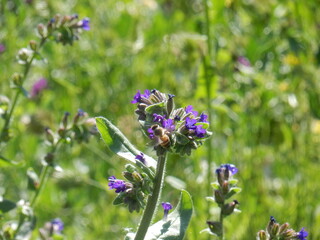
<point x="265" y="101"/>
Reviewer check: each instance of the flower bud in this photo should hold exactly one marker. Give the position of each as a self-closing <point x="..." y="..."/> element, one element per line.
<point x="275" y="230"/>
<point x="227" y="209"/>
<point x="17" y="79"/>
<point x="270" y="224"/>
<point x="42" y="30"/>
<point x="137" y="177"/>
<point x="49" y="158"/>
<point x="33" y="45"/>
<point x="284" y="227"/>
<point x="225" y="187"/>
<point x="288" y="234"/>
<point x="33" y="179"/>
<point x="65" y="119"/>
<point x="50" y="135"/>
<point x="215" y="227"/>
<point x="4" y="103"/>
<point x="24" y="54"/>
<point x="128" y="176"/>
<point x="262" y="235"/>
<point x="218" y="196"/>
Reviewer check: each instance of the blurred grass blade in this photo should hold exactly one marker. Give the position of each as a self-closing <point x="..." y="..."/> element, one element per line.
<point x="118" y="143"/>
<point x="177" y="222"/>
<point x="6" y="160"/>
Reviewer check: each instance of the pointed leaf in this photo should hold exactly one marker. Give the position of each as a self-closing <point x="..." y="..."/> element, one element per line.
<point x="118" y="143"/>
<point x="175" y="226"/>
<point x="232" y="192"/>
<point x="6" y="205"/>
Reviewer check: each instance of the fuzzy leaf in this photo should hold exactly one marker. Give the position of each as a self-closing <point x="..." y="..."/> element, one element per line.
<point x="175" y="226"/>
<point x="6" y="205"/>
<point x="232" y="192"/>
<point x="118" y="143"/>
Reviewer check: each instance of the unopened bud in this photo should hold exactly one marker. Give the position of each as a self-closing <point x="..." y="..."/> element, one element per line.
<point x="288" y="234"/>
<point x="227" y="209"/>
<point x="24" y="54"/>
<point x="137" y="177"/>
<point x="49" y="135"/>
<point x="49" y="158"/>
<point x="42" y="30"/>
<point x="17" y="79"/>
<point x="270" y="224"/>
<point x="262" y="235"/>
<point x="33" y="45"/>
<point x="65" y="119"/>
<point x="218" y="196"/>
<point x="225" y="187"/>
<point x="284" y="227"/>
<point x="128" y="176"/>
<point x="275" y="230"/>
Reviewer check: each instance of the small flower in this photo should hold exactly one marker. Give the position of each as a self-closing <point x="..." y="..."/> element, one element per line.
<point x="117" y="184"/>
<point x="158" y="118"/>
<point x="199" y="131"/>
<point x="151" y="134"/>
<point x="2" y="48"/>
<point x="141" y="158"/>
<point x="85" y="24"/>
<point x="203" y="118"/>
<point x="168" y="124"/>
<point x="57" y="225"/>
<point x="137" y="98"/>
<point x="166" y="208"/>
<point x="38" y="87"/>
<point x="302" y="234"/>
<point x="244" y="61"/>
<point x="189" y="109"/>
<point x="232" y="168"/>
<point x="190" y="123"/>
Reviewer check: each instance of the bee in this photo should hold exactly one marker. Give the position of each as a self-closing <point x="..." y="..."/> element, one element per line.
<point x="162" y="135"/>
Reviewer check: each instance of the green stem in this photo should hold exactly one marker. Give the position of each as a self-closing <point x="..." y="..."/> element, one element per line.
<point x="221" y="221"/>
<point x="43" y="180"/>
<point x="152" y="199"/>
<point x="5" y="129"/>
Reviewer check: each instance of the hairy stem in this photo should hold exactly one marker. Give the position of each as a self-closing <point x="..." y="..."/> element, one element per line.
<point x="43" y="179"/>
<point x="153" y="199"/>
<point x="221" y="221"/>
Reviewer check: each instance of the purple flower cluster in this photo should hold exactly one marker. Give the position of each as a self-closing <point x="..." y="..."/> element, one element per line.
<point x="198" y="130"/>
<point x="137" y="98"/>
<point x="38" y="87"/>
<point x="232" y="168"/>
<point x="85" y="24"/>
<point x="57" y="225"/>
<point x="302" y="234"/>
<point x="189" y="109"/>
<point x="117" y="184"/>
<point x="168" y="124"/>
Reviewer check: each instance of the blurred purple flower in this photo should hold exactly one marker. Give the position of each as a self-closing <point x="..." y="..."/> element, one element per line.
<point x="117" y="184"/>
<point x="138" y="96"/>
<point x="57" y="225"/>
<point x="232" y="168"/>
<point x="38" y="87"/>
<point x="200" y="132"/>
<point x="2" y="48"/>
<point x="85" y="24"/>
<point x="151" y="134"/>
<point x="189" y="109"/>
<point x="244" y="61"/>
<point x="168" y="124"/>
<point x="302" y="234"/>
<point x="166" y="208"/>
<point x="203" y="118"/>
<point x="141" y="158"/>
<point x="158" y="118"/>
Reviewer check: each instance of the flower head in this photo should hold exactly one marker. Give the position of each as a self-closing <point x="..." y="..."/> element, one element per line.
<point x="137" y="98"/>
<point x="57" y="225"/>
<point x="117" y="184"/>
<point x="190" y="123"/>
<point x="38" y="87"/>
<point x="232" y="168"/>
<point x="168" y="124"/>
<point x="244" y="61"/>
<point x="189" y="109"/>
<point x="141" y="158"/>
<point x="166" y="208"/>
<point x="85" y="24"/>
<point x="203" y="118"/>
<point x="302" y="234"/>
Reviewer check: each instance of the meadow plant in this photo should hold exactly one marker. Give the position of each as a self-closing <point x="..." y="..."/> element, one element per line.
<point x="170" y="130"/>
<point x="65" y="30"/>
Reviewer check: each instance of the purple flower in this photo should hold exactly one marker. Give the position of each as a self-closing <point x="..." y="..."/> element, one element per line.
<point x="57" y="225"/>
<point x="141" y="158"/>
<point x="203" y="118"/>
<point x="190" y="123"/>
<point x="166" y="208"/>
<point x="137" y="98"/>
<point x="232" y="168"/>
<point x="168" y="124"/>
<point x="189" y="109"/>
<point x="158" y="118"/>
<point x="200" y="132"/>
<point x="117" y="184"/>
<point x="244" y="61"/>
<point x="38" y="87"/>
<point x="85" y="24"/>
<point x="2" y="48"/>
<point x="151" y="134"/>
<point x="302" y="234"/>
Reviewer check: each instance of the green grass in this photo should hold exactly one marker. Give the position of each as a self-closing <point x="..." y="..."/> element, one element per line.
<point x="266" y="122"/>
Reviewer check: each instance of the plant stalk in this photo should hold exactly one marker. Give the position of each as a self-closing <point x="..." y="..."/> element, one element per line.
<point x="153" y="199"/>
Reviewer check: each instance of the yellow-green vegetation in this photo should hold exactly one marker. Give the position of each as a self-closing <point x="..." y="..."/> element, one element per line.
<point x="263" y="68"/>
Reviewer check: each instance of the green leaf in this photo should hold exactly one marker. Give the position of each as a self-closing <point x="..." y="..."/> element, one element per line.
<point x="26" y="229"/>
<point x="6" y="205"/>
<point x="175" y="226"/>
<point x="182" y="139"/>
<point x="233" y="191"/>
<point x="155" y="108"/>
<point x="6" y="160"/>
<point x="118" y="143"/>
